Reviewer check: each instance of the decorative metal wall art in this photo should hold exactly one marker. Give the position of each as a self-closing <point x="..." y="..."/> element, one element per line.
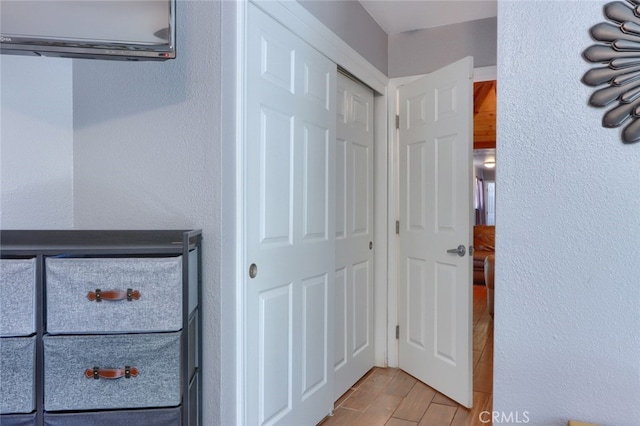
<point x="619" y="49"/>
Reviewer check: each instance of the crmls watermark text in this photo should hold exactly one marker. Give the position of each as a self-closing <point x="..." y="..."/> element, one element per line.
<point x="511" y="417"/>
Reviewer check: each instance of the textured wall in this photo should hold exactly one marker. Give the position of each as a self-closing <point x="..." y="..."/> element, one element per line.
<point x="567" y="336"/>
<point x="423" y="51"/>
<point x="36" y="143"/>
<point x="147" y="154"/>
<point x="350" y="21"/>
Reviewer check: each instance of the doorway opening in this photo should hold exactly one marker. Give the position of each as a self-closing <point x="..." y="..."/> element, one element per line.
<point x="484" y="169"/>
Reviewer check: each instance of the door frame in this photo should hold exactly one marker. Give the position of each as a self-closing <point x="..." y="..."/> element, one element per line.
<point x="479" y="74"/>
<point x="233" y="258"/>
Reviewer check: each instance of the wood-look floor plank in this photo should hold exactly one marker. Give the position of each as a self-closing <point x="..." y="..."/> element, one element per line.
<point x="399" y="422"/>
<point x="441" y="399"/>
<point x="471" y="417"/>
<point x="380" y="410"/>
<point x="483" y="378"/>
<point x="487" y="352"/>
<point x="476" y="357"/>
<point x="414" y="405"/>
<point x="360" y="399"/>
<point x="369" y="419"/>
<point x="386" y="371"/>
<point x="341" y="417"/>
<point x="401" y="384"/>
<point x="343" y="398"/>
<point x="385" y="404"/>
<point x="377" y="380"/>
<point x="480" y="335"/>
<point x="479" y="302"/>
<point x="438" y="415"/>
<point x="368" y="390"/>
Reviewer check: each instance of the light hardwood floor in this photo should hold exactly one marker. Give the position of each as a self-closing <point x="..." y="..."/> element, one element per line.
<point x="391" y="397"/>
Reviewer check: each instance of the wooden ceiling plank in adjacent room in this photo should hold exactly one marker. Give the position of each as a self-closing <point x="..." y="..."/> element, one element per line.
<point x="484" y="118"/>
<point x="480" y="92"/>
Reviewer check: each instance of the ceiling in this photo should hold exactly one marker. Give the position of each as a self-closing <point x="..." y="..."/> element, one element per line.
<point x="480" y="156"/>
<point x="397" y="16"/>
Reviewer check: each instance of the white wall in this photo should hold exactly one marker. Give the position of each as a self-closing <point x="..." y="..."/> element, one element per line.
<point x="567" y="328"/>
<point x="36" y="143"/>
<point x="350" y="21"/>
<point x="424" y="51"/>
<point x="147" y="154"/>
<point x="408" y="53"/>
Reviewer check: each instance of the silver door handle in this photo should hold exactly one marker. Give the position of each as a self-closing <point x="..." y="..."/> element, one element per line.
<point x="460" y="251"/>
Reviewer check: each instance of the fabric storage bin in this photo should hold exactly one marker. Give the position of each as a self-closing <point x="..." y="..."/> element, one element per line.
<point x="72" y="362"/>
<point x="154" y="417"/>
<point x="18" y="420"/>
<point x="17" y="304"/>
<point x="17" y="377"/>
<point x="89" y="295"/>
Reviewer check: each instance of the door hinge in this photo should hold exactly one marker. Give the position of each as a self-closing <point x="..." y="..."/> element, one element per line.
<point x="397" y="121"/>
<point x="397" y="332"/>
<point x="398" y="227"/>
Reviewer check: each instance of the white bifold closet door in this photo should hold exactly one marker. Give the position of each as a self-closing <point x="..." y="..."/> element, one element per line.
<point x="289" y="225"/>
<point x="354" y="349"/>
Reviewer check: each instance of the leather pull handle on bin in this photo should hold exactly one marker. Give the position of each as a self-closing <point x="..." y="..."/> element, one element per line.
<point x="110" y="373"/>
<point x="113" y="295"/>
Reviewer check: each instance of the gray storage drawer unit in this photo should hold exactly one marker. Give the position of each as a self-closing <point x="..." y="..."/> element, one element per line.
<point x="74" y="367"/>
<point x="17" y="375"/>
<point x="17" y="304"/>
<point x="114" y="328"/>
<point x="155" y="303"/>
<point x="18" y="420"/>
<point x="154" y="417"/>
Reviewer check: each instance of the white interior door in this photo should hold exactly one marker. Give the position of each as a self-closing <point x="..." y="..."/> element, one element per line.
<point x="289" y="227"/>
<point x="435" y="286"/>
<point x="354" y="349"/>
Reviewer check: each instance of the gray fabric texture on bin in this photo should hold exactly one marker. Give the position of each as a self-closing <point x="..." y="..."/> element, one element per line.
<point x="155" y="417"/>
<point x="18" y="420"/>
<point x="17" y="304"/>
<point x="69" y="280"/>
<point x="17" y="377"/>
<point x="156" y="356"/>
